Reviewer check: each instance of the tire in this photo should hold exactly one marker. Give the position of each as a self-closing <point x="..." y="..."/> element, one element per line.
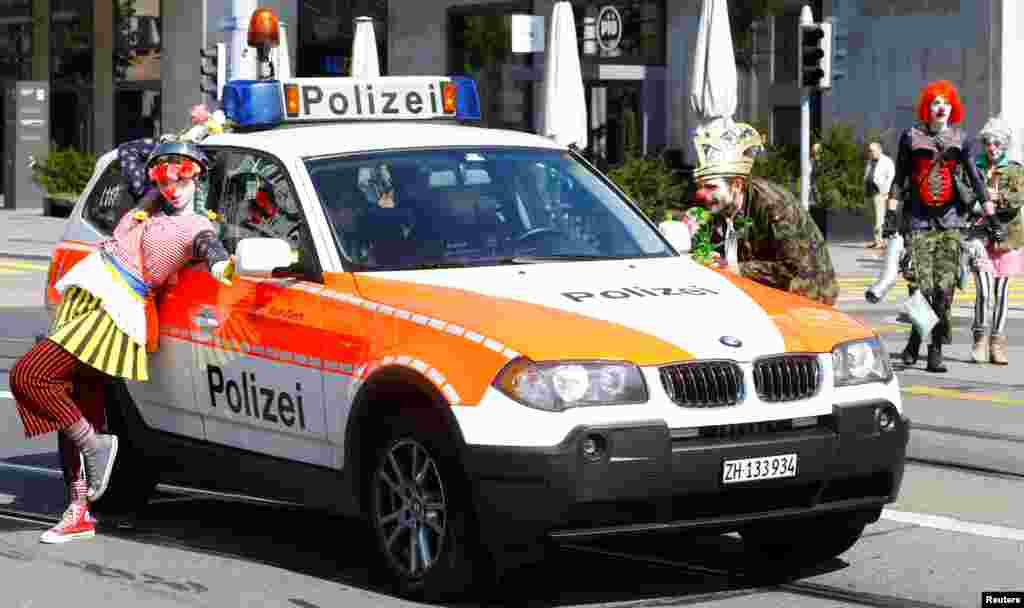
<point x="424" y="524"/>
<point x="801" y="543"/>
<point x="135" y="475"/>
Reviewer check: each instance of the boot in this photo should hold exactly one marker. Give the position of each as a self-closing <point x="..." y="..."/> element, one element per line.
<point x="981" y="348"/>
<point x="913" y="349"/>
<point x="935" y="359"/>
<point x="998" y="345"/>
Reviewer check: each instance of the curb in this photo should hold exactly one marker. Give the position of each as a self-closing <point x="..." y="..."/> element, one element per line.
<point x="38" y="257"/>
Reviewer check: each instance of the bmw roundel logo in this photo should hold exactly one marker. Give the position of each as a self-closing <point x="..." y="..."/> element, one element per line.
<point x="731" y="341"/>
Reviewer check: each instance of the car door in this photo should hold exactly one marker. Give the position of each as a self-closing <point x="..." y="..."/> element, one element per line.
<point x="257" y="344"/>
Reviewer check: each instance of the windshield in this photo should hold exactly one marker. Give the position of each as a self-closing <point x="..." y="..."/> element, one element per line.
<point x="474" y="207"/>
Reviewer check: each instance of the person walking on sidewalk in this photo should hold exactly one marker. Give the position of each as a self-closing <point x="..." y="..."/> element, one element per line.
<point x="878" y="173"/>
<point x="992" y="263"/>
<point x="938" y="182"/>
<point x="106" y="321"/>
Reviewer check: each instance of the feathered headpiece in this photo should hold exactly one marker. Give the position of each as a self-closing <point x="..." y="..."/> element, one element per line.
<point x="726" y="148"/>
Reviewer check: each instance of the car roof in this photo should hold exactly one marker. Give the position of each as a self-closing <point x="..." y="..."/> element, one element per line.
<point x="345" y="138"/>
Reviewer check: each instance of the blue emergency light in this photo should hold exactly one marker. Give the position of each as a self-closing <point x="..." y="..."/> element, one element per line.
<point x="254" y="103"/>
<point x="266" y="103"/>
<point x="467" y="102"/>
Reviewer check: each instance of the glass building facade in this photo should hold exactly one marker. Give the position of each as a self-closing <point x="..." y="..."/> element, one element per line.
<point x="111" y="79"/>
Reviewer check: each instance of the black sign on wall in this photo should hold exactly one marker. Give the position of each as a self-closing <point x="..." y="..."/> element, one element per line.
<point x="622" y="31"/>
<point x="26" y="135"/>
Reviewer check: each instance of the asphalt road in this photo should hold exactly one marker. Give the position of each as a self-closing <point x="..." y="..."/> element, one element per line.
<point x="956" y="530"/>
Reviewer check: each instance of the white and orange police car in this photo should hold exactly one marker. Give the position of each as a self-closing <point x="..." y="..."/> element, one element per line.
<point x="474" y="340"/>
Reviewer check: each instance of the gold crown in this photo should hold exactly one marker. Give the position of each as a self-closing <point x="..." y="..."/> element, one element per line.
<point x="726" y="149"/>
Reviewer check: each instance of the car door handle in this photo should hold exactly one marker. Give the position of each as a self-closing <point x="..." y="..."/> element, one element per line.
<point x="205" y="321"/>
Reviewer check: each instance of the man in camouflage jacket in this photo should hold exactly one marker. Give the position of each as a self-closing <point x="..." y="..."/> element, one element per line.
<point x="777" y="242"/>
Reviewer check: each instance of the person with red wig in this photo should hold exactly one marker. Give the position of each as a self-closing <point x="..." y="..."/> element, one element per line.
<point x="938" y="183"/>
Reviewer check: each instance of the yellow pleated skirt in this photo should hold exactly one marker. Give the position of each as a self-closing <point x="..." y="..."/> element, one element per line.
<point x="84" y="329"/>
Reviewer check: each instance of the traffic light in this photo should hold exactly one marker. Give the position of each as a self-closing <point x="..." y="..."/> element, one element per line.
<point x="213" y="70"/>
<point x="816" y="55"/>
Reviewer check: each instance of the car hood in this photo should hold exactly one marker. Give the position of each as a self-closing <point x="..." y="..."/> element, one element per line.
<point x="649" y="311"/>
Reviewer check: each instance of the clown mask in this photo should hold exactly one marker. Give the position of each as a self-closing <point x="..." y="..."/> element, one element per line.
<point x="719" y="195"/>
<point x="995" y="150"/>
<point x="938" y="112"/>
<point x="176" y="181"/>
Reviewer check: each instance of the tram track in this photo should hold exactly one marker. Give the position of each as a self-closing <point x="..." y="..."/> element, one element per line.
<point x="739" y="583"/>
<point x="861" y="598"/>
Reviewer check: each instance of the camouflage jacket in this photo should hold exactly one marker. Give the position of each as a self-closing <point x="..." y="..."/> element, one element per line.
<point x="782" y="246"/>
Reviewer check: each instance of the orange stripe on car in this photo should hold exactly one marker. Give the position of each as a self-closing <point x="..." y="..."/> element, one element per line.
<point x="537" y="331"/>
<point x="805" y="325"/>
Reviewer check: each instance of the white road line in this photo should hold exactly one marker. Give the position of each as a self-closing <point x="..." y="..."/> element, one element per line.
<point x="953" y="525"/>
<point x="6" y="395"/>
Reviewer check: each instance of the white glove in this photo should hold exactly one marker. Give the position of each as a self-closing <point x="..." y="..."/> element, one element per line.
<point x="224" y="271"/>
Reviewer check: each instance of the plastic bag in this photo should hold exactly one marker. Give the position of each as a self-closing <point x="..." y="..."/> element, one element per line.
<point x="920" y="312"/>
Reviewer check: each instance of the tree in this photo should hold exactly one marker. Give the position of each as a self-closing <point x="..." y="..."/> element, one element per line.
<point x="742" y="16"/>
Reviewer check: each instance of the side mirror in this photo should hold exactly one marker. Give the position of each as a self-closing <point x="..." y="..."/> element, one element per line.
<point x="678" y="235"/>
<point x="258" y="257"/>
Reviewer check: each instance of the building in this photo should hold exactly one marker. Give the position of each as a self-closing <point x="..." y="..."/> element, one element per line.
<point x="120" y="69"/>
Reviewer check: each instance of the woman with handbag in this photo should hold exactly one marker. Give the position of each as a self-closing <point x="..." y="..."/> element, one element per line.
<point x="938" y="182"/>
<point x="994" y="263"/>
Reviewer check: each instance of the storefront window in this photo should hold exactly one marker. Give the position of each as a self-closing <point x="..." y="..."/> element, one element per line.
<point x="137" y="59"/>
<point x="480" y="47"/>
<point x="326" y="28"/>
<point x="621" y="31"/>
<point x="16" y="40"/>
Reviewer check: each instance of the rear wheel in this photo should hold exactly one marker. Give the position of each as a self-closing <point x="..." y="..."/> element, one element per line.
<point x="135" y="475"/>
<point x="421" y="514"/>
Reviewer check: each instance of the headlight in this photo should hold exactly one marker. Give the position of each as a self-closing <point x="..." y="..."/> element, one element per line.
<point x="861" y="362"/>
<point x="559" y="385"/>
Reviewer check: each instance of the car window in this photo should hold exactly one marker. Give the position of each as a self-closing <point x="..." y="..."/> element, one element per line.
<point x="410" y="209"/>
<point x="256" y="199"/>
<point x="108" y="201"/>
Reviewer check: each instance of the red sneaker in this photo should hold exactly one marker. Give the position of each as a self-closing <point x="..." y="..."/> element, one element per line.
<point x="76" y="524"/>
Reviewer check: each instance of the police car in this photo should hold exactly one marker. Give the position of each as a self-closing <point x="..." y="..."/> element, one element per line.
<point x="472" y="339"/>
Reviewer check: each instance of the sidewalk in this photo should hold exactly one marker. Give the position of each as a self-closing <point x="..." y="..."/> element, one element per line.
<point x="29" y="234"/>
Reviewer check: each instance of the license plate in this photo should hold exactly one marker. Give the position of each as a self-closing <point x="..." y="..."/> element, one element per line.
<point x="756" y="469"/>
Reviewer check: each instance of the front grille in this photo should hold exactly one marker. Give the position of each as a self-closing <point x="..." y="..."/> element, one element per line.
<point x="749" y="430"/>
<point x="703" y="383"/>
<point x="787" y="378"/>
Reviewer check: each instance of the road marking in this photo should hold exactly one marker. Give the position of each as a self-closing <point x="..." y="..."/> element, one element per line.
<point x="948" y="393"/>
<point x="24" y="266"/>
<point x="892" y="328"/>
<point x="949" y="524"/>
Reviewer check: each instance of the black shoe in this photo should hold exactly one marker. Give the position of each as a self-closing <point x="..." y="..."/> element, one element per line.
<point x="913" y="349"/>
<point x="935" y="359"/>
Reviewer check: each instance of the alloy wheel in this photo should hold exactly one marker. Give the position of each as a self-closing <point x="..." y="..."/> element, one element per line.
<point x="411" y="510"/>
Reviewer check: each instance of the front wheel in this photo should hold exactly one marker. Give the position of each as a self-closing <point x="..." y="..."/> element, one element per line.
<point x="422" y="516"/>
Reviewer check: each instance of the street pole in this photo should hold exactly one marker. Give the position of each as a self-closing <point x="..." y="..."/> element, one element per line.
<point x="805" y="127"/>
<point x="202" y="96"/>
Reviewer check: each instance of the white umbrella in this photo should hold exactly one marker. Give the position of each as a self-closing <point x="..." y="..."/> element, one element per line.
<point x="713" y="66"/>
<point x="364" y="50"/>
<point x="565" y="108"/>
